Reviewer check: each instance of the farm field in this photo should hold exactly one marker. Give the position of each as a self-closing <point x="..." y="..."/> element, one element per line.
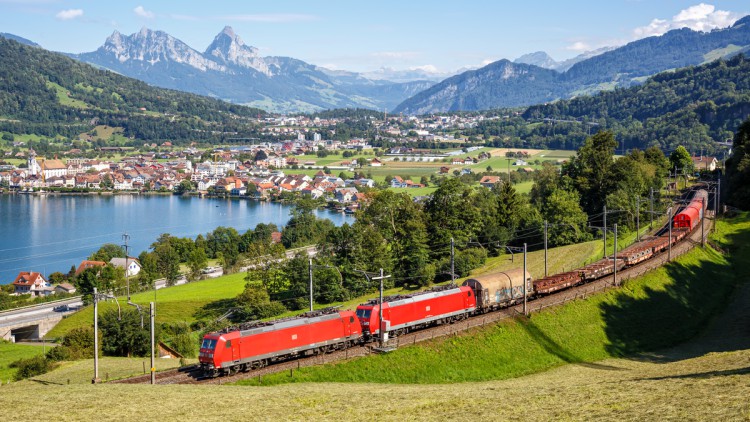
<point x="110" y="368"/>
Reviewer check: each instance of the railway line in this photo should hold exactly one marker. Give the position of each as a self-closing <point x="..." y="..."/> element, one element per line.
<point x="193" y="375"/>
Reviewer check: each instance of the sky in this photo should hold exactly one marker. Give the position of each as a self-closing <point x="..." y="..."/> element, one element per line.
<point x="438" y="36"/>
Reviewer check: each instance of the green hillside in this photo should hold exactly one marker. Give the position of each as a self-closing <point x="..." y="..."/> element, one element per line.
<point x="675" y="302"/>
<point x="48" y="94"/>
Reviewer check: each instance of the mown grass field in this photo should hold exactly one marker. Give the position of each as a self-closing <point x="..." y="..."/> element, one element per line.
<point x="709" y="387"/>
<point x="110" y="368"/>
<point x="11" y="352"/>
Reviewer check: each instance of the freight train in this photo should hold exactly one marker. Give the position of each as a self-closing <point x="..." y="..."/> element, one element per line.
<point x="258" y="344"/>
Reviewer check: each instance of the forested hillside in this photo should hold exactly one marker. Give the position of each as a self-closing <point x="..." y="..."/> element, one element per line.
<point x="49" y="94"/>
<point x="694" y="107"/>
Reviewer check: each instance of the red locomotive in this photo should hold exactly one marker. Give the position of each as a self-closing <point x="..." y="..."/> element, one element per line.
<point x="255" y="345"/>
<point x="407" y="312"/>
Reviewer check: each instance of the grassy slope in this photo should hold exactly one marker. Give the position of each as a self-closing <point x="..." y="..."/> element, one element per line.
<point x="711" y="387"/>
<point x="110" y="368"/>
<point x="10" y="352"/>
<point x="178" y="303"/>
<point x="663" y="308"/>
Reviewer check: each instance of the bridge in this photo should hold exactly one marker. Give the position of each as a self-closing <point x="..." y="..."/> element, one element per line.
<point x="33" y="322"/>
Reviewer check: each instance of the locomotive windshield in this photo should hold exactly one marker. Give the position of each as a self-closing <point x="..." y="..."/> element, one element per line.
<point x="363" y="313"/>
<point x="208" y="343"/>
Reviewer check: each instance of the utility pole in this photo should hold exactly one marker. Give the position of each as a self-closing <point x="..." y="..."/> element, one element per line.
<point x="614" y="261"/>
<point x="125" y="238"/>
<point x="703" y="219"/>
<point x="381" y="329"/>
<point x="719" y="194"/>
<point x="96" y="379"/>
<point x="311" y="285"/>
<point x="545" y="248"/>
<point x="525" y="281"/>
<point x="651" y="211"/>
<point x="605" y="232"/>
<point x="669" y="223"/>
<point x="637" y="219"/>
<point x="153" y="369"/>
<point x="453" y="272"/>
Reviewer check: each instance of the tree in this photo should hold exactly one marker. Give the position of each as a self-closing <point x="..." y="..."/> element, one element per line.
<point x="568" y="221"/>
<point x="197" y="262"/>
<point x="124" y="336"/>
<point x="107" y="252"/>
<point x="185" y="186"/>
<point x="451" y="214"/>
<point x="168" y="262"/>
<point x="590" y="170"/>
<point x="260" y="155"/>
<point x="681" y="161"/>
<point x="255" y="303"/>
<point x="738" y="168"/>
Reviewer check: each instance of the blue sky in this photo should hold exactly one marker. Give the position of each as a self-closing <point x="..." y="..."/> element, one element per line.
<point x="364" y="36"/>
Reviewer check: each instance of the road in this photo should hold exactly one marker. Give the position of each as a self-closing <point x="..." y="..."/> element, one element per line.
<point x="36" y="312"/>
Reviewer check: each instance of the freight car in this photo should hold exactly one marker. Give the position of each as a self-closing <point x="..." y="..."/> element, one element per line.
<point x="255" y="345"/>
<point x="499" y="289"/>
<point x="690" y="216"/>
<point x="403" y="313"/>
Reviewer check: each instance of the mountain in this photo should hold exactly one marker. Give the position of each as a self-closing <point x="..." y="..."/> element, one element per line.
<point x="16" y="38"/>
<point x="620" y="67"/>
<point x="539" y="58"/>
<point x="49" y="94"/>
<point x="231" y="70"/>
<point x="516" y="84"/>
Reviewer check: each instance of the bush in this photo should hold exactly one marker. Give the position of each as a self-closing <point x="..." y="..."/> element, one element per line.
<point x="32" y="367"/>
<point x="58" y="354"/>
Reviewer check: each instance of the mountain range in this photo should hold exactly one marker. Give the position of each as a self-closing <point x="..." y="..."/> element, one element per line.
<point x="233" y="71"/>
<point x="507" y="84"/>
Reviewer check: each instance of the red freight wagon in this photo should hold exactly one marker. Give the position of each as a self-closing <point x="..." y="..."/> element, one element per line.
<point x="401" y="313"/>
<point x="556" y="282"/>
<point x="692" y="214"/>
<point x="254" y="345"/>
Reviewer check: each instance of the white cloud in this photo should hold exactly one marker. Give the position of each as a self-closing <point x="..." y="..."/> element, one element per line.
<point x="69" y="14"/>
<point x="701" y="17"/>
<point x="270" y="18"/>
<point x="140" y="11"/>
<point x="579" y="46"/>
<point x="428" y="68"/>
<point x="395" y="54"/>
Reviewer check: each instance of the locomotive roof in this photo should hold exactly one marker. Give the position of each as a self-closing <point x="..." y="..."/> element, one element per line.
<point x="416" y="296"/>
<point x="254" y="327"/>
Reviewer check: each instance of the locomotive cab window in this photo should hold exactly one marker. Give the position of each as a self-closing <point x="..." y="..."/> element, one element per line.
<point x="363" y="313"/>
<point x="351" y="319"/>
<point x="208" y="343"/>
<point x="229" y="344"/>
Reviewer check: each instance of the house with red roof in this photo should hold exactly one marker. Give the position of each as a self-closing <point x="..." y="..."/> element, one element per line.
<point x="86" y="264"/>
<point x="33" y="283"/>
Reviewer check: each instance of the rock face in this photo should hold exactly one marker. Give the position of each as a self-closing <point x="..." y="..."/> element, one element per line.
<point x="231" y="70"/>
<point x="527" y="82"/>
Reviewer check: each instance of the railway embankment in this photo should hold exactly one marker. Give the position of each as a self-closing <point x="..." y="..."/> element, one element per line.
<point x="659" y="310"/>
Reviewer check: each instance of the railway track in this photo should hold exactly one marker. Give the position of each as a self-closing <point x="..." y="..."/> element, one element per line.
<point x="191" y="375"/>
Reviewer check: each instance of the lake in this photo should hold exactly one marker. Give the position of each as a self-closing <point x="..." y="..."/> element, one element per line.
<point x="50" y="233"/>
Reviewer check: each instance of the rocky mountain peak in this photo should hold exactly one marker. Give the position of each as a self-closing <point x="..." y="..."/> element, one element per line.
<point x="228" y="48"/>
